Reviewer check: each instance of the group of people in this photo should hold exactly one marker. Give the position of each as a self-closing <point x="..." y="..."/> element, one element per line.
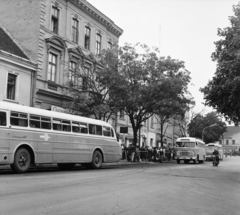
<point x="146" y="153"/>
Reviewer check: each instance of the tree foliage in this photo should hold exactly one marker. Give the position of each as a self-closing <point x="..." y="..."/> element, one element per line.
<point x="201" y="122"/>
<point x="223" y="91"/>
<point x="149" y="84"/>
<point x="92" y="98"/>
<point x="133" y="79"/>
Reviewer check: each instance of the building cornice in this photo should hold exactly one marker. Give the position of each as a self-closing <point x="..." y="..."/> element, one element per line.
<point x="97" y="15"/>
<point x="14" y="59"/>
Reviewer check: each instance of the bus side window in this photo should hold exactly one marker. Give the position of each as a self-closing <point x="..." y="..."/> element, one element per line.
<point x="92" y="129"/>
<point x="3" y="119"/>
<point x="19" y="119"/>
<point x="34" y="121"/>
<point x="75" y="127"/>
<point x="57" y="125"/>
<point x="112" y="133"/>
<point x="45" y="123"/>
<point x="99" y="129"/>
<point x="66" y="125"/>
<point x="106" y="131"/>
<point x="83" y="128"/>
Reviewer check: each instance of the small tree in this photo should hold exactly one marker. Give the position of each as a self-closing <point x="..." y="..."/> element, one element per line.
<point x="211" y="134"/>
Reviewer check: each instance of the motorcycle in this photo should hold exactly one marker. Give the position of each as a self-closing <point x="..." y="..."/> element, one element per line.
<point x="216" y="160"/>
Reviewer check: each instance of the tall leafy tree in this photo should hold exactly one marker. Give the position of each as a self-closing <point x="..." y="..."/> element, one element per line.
<point x="223" y="91"/>
<point x="148" y="83"/>
<point x="209" y="126"/>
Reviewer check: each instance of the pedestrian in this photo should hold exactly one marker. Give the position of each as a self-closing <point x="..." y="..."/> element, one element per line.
<point x="154" y="154"/>
<point x="161" y="154"/>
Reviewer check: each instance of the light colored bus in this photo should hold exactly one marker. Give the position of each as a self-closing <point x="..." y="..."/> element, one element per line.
<point x="190" y="149"/>
<point x="30" y="136"/>
<point x="211" y="147"/>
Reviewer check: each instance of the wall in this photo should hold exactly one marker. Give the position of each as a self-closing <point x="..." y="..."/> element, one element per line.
<point x="23" y="86"/>
<point x="21" y="19"/>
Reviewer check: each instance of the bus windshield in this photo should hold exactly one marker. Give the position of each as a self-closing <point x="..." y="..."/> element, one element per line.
<point x="186" y="144"/>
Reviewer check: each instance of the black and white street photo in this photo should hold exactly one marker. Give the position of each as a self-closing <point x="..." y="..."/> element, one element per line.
<point x="119" y="107"/>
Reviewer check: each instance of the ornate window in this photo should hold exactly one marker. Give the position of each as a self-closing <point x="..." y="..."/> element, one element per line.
<point x="55" y="20"/>
<point x="72" y="73"/>
<point x="98" y="43"/>
<point x="75" y="24"/>
<point x="52" y="67"/>
<point x="87" y="37"/>
<point x="85" y="79"/>
<point x="55" y="50"/>
<point x="109" y="45"/>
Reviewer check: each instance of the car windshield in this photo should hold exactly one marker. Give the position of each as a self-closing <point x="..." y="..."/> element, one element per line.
<point x="186" y="144"/>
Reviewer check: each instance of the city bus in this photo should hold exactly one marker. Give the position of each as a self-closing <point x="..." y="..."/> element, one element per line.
<point x="190" y="149"/>
<point x="30" y="136"/>
<point x="211" y="147"/>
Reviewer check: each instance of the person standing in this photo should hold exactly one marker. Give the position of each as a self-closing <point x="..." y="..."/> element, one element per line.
<point x="161" y="154"/>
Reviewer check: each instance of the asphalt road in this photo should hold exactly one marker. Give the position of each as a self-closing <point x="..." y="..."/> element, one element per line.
<point x="141" y="189"/>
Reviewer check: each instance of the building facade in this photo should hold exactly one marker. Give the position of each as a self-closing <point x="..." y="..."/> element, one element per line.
<point x="231" y="139"/>
<point x="59" y="35"/>
<point x="150" y="132"/>
<point x="17" y="72"/>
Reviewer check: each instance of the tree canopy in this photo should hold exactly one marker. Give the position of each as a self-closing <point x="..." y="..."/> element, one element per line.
<point x="149" y="84"/>
<point x="223" y="91"/>
<point x="209" y="126"/>
<point x="135" y="80"/>
<point x="91" y="88"/>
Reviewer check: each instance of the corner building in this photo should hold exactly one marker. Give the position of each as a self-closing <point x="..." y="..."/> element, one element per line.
<point x="58" y="35"/>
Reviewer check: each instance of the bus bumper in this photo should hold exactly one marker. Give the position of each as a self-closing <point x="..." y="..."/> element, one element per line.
<point x="186" y="158"/>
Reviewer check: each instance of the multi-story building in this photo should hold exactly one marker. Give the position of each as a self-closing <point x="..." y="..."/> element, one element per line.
<point x="59" y="35"/>
<point x="231" y="139"/>
<point x="17" y="72"/>
<point x="150" y="133"/>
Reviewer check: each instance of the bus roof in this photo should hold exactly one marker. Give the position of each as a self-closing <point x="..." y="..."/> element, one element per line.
<point x="214" y="144"/>
<point x="189" y="139"/>
<point x="37" y="111"/>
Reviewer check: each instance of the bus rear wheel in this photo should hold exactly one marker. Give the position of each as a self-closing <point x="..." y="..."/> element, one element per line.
<point x="97" y="160"/>
<point x="22" y="161"/>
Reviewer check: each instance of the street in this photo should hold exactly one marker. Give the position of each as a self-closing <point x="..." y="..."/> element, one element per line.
<point x="145" y="188"/>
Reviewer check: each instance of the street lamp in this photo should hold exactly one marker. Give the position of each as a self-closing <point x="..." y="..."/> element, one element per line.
<point x="207" y="127"/>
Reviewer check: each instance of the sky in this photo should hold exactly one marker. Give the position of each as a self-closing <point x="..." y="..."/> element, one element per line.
<point x="183" y="29"/>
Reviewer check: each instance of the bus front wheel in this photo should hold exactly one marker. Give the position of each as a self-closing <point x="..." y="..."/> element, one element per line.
<point x="22" y="161"/>
<point x="97" y="160"/>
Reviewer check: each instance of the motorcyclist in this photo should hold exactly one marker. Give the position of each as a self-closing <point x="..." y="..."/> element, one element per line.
<point x="216" y="154"/>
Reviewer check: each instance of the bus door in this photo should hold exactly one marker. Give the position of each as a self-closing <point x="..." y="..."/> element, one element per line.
<point x="4" y="138"/>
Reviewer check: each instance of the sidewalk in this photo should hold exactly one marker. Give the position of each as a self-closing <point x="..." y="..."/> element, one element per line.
<point x="125" y="162"/>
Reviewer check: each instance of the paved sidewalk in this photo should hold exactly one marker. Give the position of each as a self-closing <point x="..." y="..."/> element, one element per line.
<point x="125" y="162"/>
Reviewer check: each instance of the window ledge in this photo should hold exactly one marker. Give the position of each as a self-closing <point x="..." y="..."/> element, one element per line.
<point x="9" y="100"/>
